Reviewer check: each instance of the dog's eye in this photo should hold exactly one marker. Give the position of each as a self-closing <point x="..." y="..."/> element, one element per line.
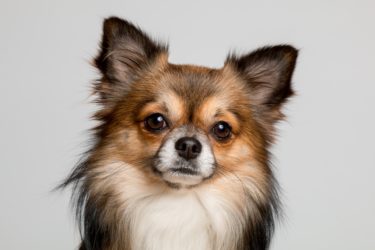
<point x="222" y="131"/>
<point x="155" y="122"/>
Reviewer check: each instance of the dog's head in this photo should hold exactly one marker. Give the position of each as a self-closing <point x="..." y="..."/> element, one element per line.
<point x="185" y="124"/>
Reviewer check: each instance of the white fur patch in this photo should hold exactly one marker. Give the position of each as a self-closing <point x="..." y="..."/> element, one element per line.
<point x="170" y="221"/>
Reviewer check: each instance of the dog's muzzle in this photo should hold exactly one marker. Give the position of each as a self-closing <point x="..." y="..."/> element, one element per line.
<point x="185" y="159"/>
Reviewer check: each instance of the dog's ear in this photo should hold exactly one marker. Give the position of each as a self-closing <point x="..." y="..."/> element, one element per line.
<point x="126" y="53"/>
<point x="268" y="72"/>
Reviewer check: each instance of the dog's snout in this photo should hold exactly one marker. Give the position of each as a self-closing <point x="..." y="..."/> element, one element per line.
<point x="188" y="147"/>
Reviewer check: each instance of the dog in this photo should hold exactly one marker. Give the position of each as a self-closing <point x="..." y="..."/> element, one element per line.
<point x="180" y="156"/>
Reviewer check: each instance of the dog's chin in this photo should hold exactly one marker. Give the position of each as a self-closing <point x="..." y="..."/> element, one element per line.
<point x="182" y="177"/>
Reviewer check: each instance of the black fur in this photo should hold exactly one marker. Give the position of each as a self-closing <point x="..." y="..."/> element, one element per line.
<point x="258" y="233"/>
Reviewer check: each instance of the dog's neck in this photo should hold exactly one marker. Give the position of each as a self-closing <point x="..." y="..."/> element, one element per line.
<point x="155" y="216"/>
<point x="199" y="218"/>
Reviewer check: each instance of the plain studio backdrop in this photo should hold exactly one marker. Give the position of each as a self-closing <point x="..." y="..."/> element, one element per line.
<point x="325" y="155"/>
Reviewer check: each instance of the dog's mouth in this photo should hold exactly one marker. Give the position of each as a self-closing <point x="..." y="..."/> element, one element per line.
<point x="183" y="174"/>
<point x="185" y="171"/>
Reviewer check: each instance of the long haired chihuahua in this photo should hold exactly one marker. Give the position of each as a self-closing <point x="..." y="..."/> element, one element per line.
<point x="180" y="158"/>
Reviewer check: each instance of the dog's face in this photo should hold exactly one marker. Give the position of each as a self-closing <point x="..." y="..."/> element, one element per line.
<point x="183" y="124"/>
<point x="190" y="123"/>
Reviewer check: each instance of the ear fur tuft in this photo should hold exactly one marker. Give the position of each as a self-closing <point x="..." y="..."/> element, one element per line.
<point x="126" y="52"/>
<point x="268" y="73"/>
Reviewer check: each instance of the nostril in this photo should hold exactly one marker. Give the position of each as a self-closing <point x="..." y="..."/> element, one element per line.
<point x="188" y="147"/>
<point x="196" y="148"/>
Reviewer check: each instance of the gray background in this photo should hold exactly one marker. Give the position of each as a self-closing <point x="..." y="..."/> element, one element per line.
<point x="325" y="155"/>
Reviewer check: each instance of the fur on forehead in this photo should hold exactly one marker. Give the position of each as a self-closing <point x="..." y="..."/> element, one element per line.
<point x="186" y="88"/>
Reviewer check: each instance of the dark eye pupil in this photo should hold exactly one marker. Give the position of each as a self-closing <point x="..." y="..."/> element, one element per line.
<point x="155" y="122"/>
<point x="222" y="130"/>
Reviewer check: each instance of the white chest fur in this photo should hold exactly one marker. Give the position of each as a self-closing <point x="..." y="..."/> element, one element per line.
<point x="171" y="221"/>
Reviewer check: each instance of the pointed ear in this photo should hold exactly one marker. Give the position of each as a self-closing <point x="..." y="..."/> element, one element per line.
<point x="268" y="73"/>
<point x="126" y="52"/>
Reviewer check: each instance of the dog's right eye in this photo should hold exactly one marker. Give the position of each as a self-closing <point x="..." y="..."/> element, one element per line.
<point x="155" y="122"/>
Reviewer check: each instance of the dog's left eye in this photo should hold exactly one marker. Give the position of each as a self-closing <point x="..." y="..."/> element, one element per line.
<point x="222" y="131"/>
<point x="155" y="122"/>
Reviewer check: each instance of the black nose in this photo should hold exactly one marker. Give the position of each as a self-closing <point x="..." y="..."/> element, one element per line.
<point x="188" y="147"/>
